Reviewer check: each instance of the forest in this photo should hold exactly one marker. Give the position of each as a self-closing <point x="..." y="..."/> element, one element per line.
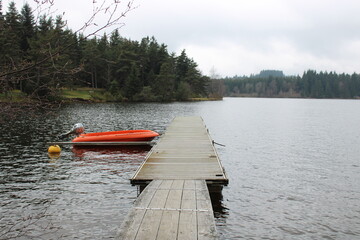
<point x="311" y="84"/>
<point x="39" y="58"/>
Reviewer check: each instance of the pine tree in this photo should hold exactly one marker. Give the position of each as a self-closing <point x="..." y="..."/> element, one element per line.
<point x="91" y="59"/>
<point x="181" y="67"/>
<point x="2" y="36"/>
<point x="133" y="84"/>
<point x="163" y="86"/>
<point x="1" y="17"/>
<point x="10" y="51"/>
<point x="12" y="31"/>
<point x="27" y="27"/>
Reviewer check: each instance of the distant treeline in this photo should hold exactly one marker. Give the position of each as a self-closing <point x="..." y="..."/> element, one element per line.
<point x="310" y="85"/>
<point x="41" y="57"/>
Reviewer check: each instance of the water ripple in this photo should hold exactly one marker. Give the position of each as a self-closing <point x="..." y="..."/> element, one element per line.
<point x="292" y="163"/>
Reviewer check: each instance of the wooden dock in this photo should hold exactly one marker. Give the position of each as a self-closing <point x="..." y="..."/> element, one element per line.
<point x="185" y="151"/>
<point x="171" y="209"/>
<point x="176" y="204"/>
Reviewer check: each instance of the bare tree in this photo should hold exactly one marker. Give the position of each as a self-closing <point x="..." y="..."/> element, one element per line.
<point x="217" y="87"/>
<point x="106" y="15"/>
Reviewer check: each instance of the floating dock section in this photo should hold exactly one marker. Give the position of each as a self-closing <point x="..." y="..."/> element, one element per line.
<point x="185" y="151"/>
<point x="176" y="204"/>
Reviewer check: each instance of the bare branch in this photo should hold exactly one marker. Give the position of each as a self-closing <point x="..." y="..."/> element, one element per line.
<point x="113" y="19"/>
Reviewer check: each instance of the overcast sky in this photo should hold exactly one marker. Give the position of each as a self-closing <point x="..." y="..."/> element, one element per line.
<point x="241" y="37"/>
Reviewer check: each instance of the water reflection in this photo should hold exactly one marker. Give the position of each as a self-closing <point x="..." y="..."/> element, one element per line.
<point x="293" y="167"/>
<point x="108" y="152"/>
<point x="54" y="156"/>
<point x="217" y="200"/>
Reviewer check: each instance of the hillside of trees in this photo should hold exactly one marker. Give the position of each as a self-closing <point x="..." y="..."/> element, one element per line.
<point x="310" y="85"/>
<point x="40" y="57"/>
<point x="268" y="73"/>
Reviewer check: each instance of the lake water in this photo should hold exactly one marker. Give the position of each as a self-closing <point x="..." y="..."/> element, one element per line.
<point x="293" y="168"/>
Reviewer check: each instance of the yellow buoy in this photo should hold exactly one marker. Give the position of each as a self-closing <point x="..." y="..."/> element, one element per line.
<point x="54" y="149"/>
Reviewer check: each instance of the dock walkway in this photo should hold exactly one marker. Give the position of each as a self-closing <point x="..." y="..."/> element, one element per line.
<point x="185" y="151"/>
<point x="171" y="209"/>
<point x="176" y="204"/>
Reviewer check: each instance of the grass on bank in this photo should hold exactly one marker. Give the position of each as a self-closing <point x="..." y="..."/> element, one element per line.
<point x="81" y="94"/>
<point x="89" y="94"/>
<point x="84" y="94"/>
<point x="12" y="96"/>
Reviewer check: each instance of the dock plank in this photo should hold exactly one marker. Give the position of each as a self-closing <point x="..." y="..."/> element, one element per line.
<point x="169" y="225"/>
<point x="149" y="226"/>
<point x="133" y="220"/>
<point x="187" y="226"/>
<point x="206" y="227"/>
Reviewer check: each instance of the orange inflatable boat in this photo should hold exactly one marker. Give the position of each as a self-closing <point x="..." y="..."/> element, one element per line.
<point x="118" y="136"/>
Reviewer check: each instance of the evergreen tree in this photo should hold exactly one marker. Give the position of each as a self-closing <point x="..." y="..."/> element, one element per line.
<point x="40" y="76"/>
<point x="196" y="81"/>
<point x="181" y="67"/>
<point x="164" y="83"/>
<point x="183" y="91"/>
<point x="105" y="63"/>
<point x="12" y="33"/>
<point x="27" y="27"/>
<point x="2" y="36"/>
<point x="91" y="60"/>
<point x="10" y="50"/>
<point x="133" y="84"/>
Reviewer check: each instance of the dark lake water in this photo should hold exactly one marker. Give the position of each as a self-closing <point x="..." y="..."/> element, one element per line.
<point x="293" y="168"/>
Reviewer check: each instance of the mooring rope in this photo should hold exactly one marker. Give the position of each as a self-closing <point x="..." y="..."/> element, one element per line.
<point x="218" y="144"/>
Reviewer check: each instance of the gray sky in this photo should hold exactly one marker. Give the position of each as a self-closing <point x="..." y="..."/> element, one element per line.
<point x="241" y="37"/>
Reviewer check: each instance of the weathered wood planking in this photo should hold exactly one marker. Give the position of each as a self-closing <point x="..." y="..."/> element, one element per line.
<point x="171" y="209"/>
<point x="185" y="151"/>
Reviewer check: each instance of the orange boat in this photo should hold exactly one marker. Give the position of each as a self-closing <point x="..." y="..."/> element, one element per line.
<point x="118" y="136"/>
